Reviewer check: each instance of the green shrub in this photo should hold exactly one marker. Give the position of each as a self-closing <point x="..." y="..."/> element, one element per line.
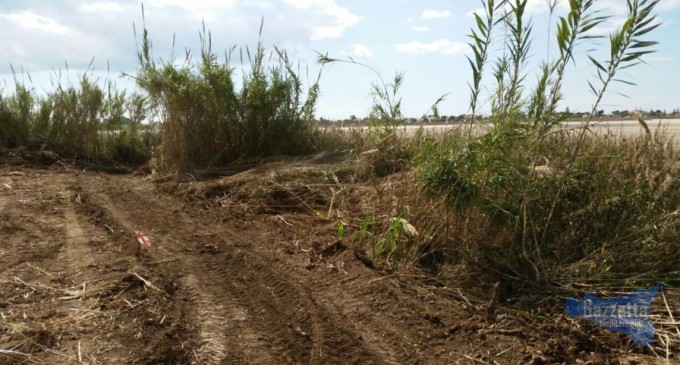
<point x="535" y="204"/>
<point x="86" y="121"/>
<point x="207" y="120"/>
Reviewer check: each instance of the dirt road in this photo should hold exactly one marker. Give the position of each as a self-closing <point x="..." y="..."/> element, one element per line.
<point x="222" y="287"/>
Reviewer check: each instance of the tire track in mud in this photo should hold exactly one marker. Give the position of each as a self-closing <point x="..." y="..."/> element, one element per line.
<point x="206" y="311"/>
<point x="75" y="250"/>
<point x="82" y="263"/>
<point x="383" y="336"/>
<point x="212" y="341"/>
<point x="398" y="329"/>
<point x="317" y="335"/>
<point x="298" y="327"/>
<point x="3" y="203"/>
<point x="223" y="332"/>
<point x="367" y="322"/>
<point x="67" y="273"/>
<point x="223" y="326"/>
<point x="333" y="335"/>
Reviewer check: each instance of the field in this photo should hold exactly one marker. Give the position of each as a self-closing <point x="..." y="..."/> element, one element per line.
<point x="627" y="128"/>
<point x="242" y="279"/>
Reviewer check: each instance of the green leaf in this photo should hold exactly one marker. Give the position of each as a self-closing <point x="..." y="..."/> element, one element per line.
<point x="635" y="55"/>
<point x="480" y="22"/>
<point x="645" y="31"/>
<point x="597" y="64"/>
<point x="642" y="44"/>
<point x="643" y="24"/>
<point x="624" y="82"/>
<point x="473" y="66"/>
<point x="624" y="95"/>
<point x="629" y="65"/>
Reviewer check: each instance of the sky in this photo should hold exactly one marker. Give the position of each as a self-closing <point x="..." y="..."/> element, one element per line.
<point x="424" y="39"/>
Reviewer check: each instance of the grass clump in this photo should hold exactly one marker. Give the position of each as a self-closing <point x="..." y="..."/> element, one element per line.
<point x="208" y="120"/>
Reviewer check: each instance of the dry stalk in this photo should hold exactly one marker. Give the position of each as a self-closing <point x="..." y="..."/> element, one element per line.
<point x="642" y="122"/>
<point x="34" y="286"/>
<point x="670" y="313"/>
<point x="146" y="282"/>
<point x="491" y="306"/>
<point x="294" y="195"/>
<point x="12" y="352"/>
<point x="283" y="220"/>
<point x="39" y="269"/>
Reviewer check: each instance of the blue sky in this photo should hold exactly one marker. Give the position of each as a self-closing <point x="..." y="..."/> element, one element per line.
<point x="423" y="38"/>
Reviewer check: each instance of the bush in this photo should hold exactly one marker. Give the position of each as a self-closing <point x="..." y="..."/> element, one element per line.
<point x="541" y="207"/>
<point x="208" y="121"/>
<point x="84" y="121"/>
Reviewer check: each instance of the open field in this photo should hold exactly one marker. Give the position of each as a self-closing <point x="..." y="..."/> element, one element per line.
<point x="627" y="128"/>
<point x="233" y="278"/>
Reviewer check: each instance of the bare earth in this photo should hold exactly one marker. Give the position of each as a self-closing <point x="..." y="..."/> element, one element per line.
<point x="222" y="285"/>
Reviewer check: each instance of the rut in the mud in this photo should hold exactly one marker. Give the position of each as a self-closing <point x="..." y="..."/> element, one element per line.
<point x="243" y="306"/>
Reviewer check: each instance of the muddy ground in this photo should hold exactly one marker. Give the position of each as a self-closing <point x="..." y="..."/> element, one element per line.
<point x="230" y="279"/>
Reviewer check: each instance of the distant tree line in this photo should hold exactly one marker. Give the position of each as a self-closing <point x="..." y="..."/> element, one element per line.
<point x="651" y="113"/>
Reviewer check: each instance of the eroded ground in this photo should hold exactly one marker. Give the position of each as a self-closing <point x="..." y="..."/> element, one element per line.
<point x="224" y="283"/>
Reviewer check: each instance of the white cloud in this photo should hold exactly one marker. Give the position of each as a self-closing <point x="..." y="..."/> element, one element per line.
<point x="361" y="50"/>
<point x="619" y="7"/>
<point x="668" y="5"/>
<point x="193" y="5"/>
<point x="478" y="11"/>
<point x="58" y="42"/>
<point x="616" y="7"/>
<point x="534" y="7"/>
<point x="262" y="4"/>
<point x="420" y="29"/>
<point x="341" y="17"/>
<point x="443" y="45"/>
<point x="202" y="9"/>
<point x="29" y="20"/>
<point x="101" y="7"/>
<point x="607" y="27"/>
<point x="434" y="14"/>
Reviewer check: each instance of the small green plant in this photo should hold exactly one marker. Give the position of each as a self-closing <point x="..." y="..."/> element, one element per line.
<point x="395" y="248"/>
<point x="385" y="114"/>
<point x="340" y="232"/>
<point x="368" y="223"/>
